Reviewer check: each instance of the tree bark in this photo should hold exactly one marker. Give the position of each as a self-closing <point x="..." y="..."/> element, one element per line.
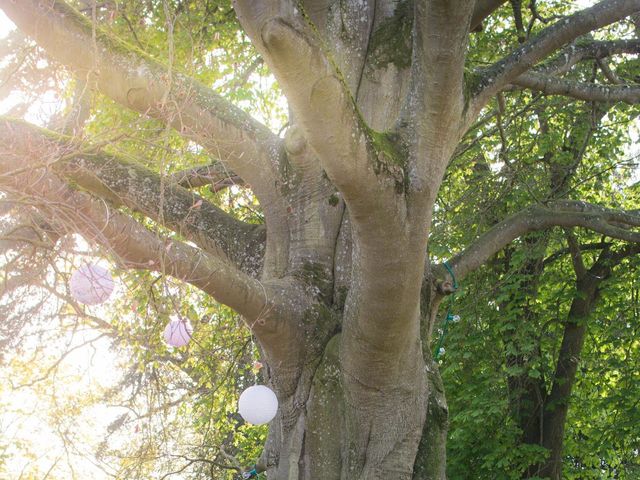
<point x="341" y="298"/>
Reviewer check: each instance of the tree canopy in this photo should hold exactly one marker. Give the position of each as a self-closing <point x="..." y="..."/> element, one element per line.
<point x="416" y="221"/>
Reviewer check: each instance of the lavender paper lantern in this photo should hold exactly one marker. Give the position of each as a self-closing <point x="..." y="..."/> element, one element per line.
<point x="178" y="332"/>
<point x="258" y="404"/>
<point x="91" y="284"/>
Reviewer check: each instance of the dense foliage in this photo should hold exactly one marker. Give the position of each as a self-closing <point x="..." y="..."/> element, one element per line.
<point x="172" y="413"/>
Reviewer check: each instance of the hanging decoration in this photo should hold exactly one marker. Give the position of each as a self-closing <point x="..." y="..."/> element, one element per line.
<point x="178" y="332"/>
<point x="91" y="284"/>
<point x="449" y="318"/>
<point x="250" y="474"/>
<point x="258" y="405"/>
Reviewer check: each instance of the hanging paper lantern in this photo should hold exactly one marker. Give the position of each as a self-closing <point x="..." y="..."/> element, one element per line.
<point x="91" y="284"/>
<point x="258" y="404"/>
<point x="178" y="332"/>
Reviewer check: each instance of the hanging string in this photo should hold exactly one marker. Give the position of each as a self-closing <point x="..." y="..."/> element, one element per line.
<point x="450" y="317"/>
<point x="255" y="364"/>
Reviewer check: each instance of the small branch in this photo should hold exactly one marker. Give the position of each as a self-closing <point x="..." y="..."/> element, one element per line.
<point x="579" y="90"/>
<point x="53" y="367"/>
<point x="576" y="255"/>
<point x="607" y="72"/>
<point x="587" y="50"/>
<point x="495" y="78"/>
<point x="516" y="6"/>
<point x="583" y="247"/>
<point x="242" y="78"/>
<point x="27" y="231"/>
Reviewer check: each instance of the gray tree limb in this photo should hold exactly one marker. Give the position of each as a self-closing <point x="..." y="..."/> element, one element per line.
<point x="317" y="94"/>
<point x="134" y="245"/>
<point x="263" y="306"/>
<point x="124" y="183"/>
<point x="562" y="213"/>
<point x="493" y="79"/>
<point x="579" y="90"/>
<point x="587" y="50"/>
<point x="435" y="103"/>
<point x="135" y="80"/>
<point x="482" y="10"/>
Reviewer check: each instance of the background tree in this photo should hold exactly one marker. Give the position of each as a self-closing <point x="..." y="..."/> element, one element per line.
<point x="331" y="274"/>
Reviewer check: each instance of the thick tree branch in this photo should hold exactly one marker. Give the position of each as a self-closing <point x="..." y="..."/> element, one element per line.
<point x="217" y="175"/>
<point x="263" y="305"/>
<point x="435" y="102"/>
<point x="493" y="79"/>
<point x="317" y="94"/>
<point x="579" y="90"/>
<point x="129" y="184"/>
<point x="482" y="10"/>
<point x="268" y="308"/>
<point x="138" y="82"/>
<point x="563" y="213"/>
<point x="76" y="212"/>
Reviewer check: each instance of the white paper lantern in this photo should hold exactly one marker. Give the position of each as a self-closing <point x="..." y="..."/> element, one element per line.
<point x="258" y="404"/>
<point x="178" y="332"/>
<point x="91" y="284"/>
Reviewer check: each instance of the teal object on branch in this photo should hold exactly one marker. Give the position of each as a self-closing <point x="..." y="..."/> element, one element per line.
<point x="449" y="317"/>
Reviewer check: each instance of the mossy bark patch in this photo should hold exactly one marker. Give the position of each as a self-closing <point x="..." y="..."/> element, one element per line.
<point x="391" y="41"/>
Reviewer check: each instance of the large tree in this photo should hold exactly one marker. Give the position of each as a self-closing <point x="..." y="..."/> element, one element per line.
<point x="337" y="285"/>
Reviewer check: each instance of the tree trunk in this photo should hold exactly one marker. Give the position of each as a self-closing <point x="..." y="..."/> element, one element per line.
<point x="339" y="295"/>
<point x="386" y="420"/>
<point x="332" y="429"/>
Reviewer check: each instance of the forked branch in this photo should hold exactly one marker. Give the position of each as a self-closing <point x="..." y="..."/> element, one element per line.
<point x="139" y="82"/>
<point x="134" y="245"/>
<point x="493" y="79"/>
<point x="129" y="184"/>
<point x="317" y="94"/>
<point x="563" y="213"/>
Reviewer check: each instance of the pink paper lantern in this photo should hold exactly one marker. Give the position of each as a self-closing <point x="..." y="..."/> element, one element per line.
<point x="178" y="333"/>
<point x="91" y="284"/>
